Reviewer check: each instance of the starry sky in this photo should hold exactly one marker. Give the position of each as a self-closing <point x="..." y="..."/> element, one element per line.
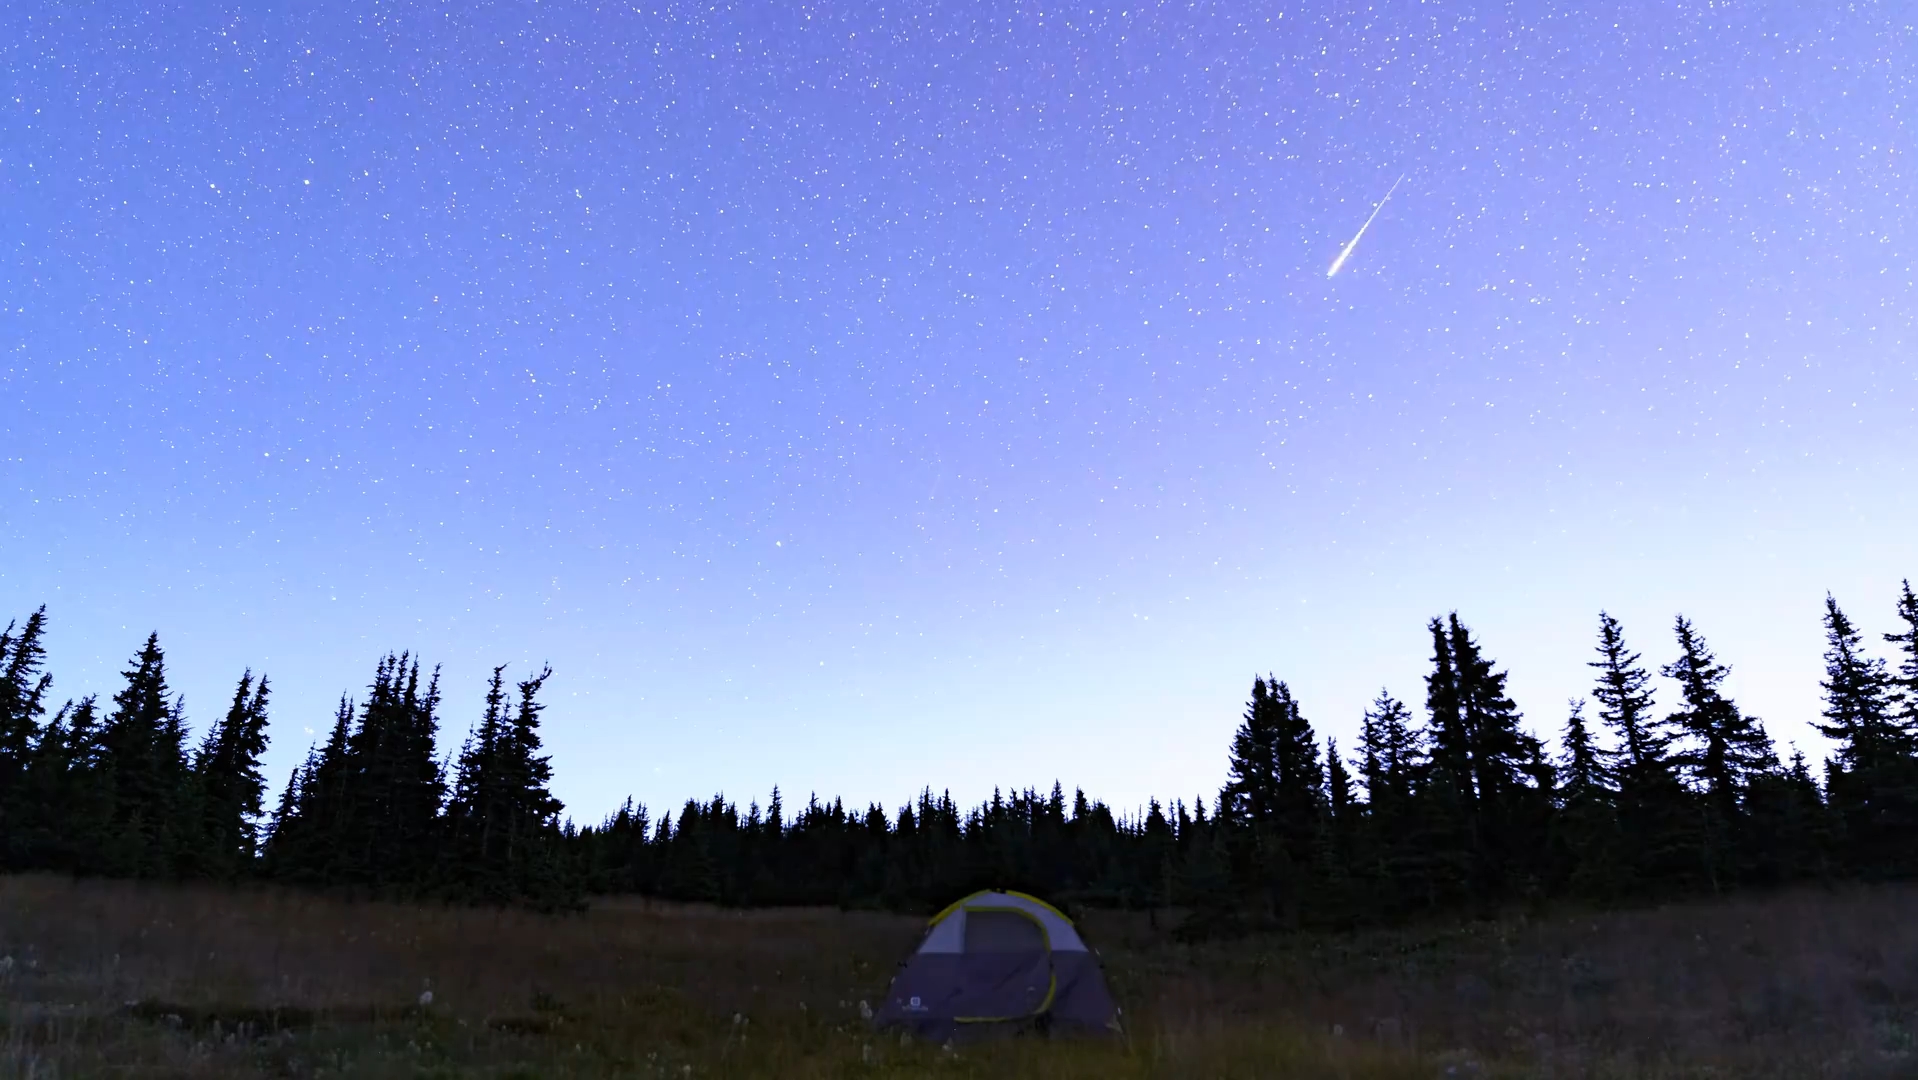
<point x="856" y="397"/>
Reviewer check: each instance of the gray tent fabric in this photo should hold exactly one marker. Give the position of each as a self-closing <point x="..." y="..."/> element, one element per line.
<point x="997" y="962"/>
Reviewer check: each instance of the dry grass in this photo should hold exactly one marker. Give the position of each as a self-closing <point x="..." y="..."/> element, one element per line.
<point x="123" y="979"/>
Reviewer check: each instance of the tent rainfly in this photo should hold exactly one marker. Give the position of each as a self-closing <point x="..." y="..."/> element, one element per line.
<point x="999" y="962"/>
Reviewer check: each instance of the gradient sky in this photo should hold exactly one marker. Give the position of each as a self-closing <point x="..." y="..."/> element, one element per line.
<point x="857" y="397"/>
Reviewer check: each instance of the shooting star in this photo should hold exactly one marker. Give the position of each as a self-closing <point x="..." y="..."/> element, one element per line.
<point x="1340" y="261"/>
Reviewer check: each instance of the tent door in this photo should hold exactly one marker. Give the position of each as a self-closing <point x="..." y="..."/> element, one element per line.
<point x="1005" y="972"/>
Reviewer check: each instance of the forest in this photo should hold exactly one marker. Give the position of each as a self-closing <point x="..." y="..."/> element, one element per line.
<point x="1455" y="809"/>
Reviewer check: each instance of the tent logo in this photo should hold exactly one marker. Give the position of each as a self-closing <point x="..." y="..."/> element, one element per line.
<point x="916" y="1005"/>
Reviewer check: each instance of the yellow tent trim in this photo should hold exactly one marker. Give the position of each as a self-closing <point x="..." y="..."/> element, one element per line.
<point x="1052" y="984"/>
<point x="963" y="901"/>
<point x="1052" y="991"/>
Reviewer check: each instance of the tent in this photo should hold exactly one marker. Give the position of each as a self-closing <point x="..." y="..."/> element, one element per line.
<point x="998" y="962"/>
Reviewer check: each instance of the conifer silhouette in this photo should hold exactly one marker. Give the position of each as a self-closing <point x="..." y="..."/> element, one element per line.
<point x="1465" y="812"/>
<point x="23" y="690"/>
<point x="1724" y="750"/>
<point x="230" y="788"/>
<point x="1872" y="782"/>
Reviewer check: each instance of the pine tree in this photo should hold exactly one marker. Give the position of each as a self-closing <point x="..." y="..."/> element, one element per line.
<point x="1904" y="683"/>
<point x="1492" y="767"/>
<point x="1251" y="795"/>
<point x="503" y="820"/>
<point x="1391" y="751"/>
<point x="1301" y="779"/>
<point x="1654" y="810"/>
<point x="1270" y="806"/>
<point x="533" y="813"/>
<point x="305" y="845"/>
<point x="389" y="817"/>
<point x="1451" y="738"/>
<point x="1625" y="702"/>
<point x="144" y="767"/>
<point x="1338" y="789"/>
<point x="1204" y="885"/>
<point x="1873" y="782"/>
<point x="1858" y="706"/>
<point x="230" y="787"/>
<point x="1496" y="748"/>
<point x="1785" y="810"/>
<point x="478" y="810"/>
<point x="61" y="815"/>
<point x="1725" y="748"/>
<point x="23" y="690"/>
<point x="1586" y="837"/>
<point x="1335" y="846"/>
<point x="1581" y="767"/>
<point x="1395" y="831"/>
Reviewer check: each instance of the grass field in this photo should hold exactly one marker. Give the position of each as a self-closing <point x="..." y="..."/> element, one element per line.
<point x="105" y="978"/>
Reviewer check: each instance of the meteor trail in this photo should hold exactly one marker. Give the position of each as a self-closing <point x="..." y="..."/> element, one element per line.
<point x="1340" y="261"/>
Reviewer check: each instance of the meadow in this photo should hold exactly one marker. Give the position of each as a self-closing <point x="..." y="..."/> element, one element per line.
<point x="117" y="978"/>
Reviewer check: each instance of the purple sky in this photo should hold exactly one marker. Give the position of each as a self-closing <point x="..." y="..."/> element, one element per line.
<point x="859" y="397"/>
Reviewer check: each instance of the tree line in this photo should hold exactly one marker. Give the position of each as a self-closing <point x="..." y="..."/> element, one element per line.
<point x="1453" y="808"/>
<point x="117" y="790"/>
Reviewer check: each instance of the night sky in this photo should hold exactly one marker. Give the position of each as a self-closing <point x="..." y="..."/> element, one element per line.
<point x="861" y="397"/>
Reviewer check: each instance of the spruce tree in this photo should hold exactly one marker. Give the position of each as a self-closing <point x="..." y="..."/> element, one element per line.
<point x="1904" y="682"/>
<point x="534" y="811"/>
<point x="503" y="821"/>
<point x="67" y="808"/>
<point x="1335" y="846"/>
<point x="1395" y="832"/>
<point x="1301" y="779"/>
<point x="1858" y="705"/>
<point x="1391" y="751"/>
<point x="1251" y="794"/>
<point x="1495" y="767"/>
<point x="1581" y="768"/>
<point x="144" y="771"/>
<point x="23" y="689"/>
<point x="306" y="842"/>
<point x="389" y="818"/>
<point x="1451" y="738"/>
<point x="1586" y="838"/>
<point x="1787" y="814"/>
<point x="1625" y="702"/>
<point x="1497" y="750"/>
<point x="1270" y="805"/>
<point x="477" y="812"/>
<point x="1338" y="789"/>
<point x="1444" y="842"/>
<point x="1655" y="812"/>
<point x="230" y="786"/>
<point x="1724" y="749"/>
<point x="1873" y="782"/>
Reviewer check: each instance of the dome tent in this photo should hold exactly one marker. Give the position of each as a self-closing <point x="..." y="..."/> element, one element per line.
<point x="998" y="962"/>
